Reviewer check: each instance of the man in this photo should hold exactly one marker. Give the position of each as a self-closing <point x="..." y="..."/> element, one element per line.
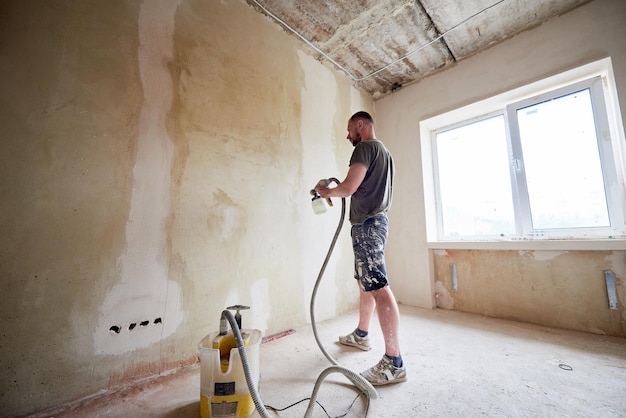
<point x="369" y="183"/>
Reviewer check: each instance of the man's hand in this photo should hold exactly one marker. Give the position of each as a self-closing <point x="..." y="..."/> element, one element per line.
<point x="346" y="188"/>
<point x="322" y="190"/>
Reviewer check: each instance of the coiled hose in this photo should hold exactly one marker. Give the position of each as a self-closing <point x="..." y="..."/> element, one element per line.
<point x="356" y="379"/>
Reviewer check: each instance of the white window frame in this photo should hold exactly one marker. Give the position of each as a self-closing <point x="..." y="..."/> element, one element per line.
<point x="609" y="172"/>
<point x="599" y="77"/>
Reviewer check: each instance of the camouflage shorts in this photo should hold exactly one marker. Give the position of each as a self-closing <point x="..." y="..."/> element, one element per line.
<point x="368" y="242"/>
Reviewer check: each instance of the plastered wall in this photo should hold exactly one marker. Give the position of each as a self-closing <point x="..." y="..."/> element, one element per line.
<point x="156" y="160"/>
<point x="562" y="287"/>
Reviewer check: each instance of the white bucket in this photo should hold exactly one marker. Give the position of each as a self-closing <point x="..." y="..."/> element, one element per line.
<point x="223" y="388"/>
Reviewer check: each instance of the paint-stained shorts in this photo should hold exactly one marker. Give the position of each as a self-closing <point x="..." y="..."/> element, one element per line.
<point x="368" y="242"/>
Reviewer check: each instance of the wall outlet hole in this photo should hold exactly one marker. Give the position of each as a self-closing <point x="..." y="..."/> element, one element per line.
<point x="132" y="326"/>
<point x="144" y="323"/>
<point x="115" y="329"/>
<point x="158" y="321"/>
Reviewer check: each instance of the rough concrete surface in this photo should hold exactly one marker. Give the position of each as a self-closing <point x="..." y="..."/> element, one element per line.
<point x="459" y="365"/>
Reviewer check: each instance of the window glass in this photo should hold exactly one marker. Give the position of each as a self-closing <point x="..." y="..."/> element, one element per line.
<point x="474" y="179"/>
<point x="562" y="163"/>
<point x="539" y="166"/>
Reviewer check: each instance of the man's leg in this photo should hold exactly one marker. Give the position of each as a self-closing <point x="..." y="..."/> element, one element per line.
<point x="367" y="304"/>
<point x="389" y="318"/>
<point x="358" y="338"/>
<point x="390" y="369"/>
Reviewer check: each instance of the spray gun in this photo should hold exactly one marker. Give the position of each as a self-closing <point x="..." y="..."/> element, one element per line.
<point x="319" y="204"/>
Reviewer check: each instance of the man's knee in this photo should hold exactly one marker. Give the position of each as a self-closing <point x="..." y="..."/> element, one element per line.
<point x="380" y="292"/>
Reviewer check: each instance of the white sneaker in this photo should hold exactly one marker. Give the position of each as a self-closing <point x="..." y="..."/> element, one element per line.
<point x="353" y="340"/>
<point x="385" y="373"/>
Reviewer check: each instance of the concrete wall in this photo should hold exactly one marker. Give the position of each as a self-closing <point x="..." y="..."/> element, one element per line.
<point x="156" y="160"/>
<point x="561" y="285"/>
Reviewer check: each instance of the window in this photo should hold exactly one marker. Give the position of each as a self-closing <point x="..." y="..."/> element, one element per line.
<point x="473" y="179"/>
<point x="542" y="167"/>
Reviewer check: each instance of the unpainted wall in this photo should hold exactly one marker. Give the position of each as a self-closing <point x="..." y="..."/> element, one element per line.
<point x="565" y="289"/>
<point x="156" y="160"/>
<point x="562" y="289"/>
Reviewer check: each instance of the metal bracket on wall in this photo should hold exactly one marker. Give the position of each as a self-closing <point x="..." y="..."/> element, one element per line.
<point x="610" y="288"/>
<point x="454" y="277"/>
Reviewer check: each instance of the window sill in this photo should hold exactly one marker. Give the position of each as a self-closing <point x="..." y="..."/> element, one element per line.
<point x="558" y="245"/>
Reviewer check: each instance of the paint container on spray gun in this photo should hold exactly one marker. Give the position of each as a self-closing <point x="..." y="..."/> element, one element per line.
<point x="320" y="205"/>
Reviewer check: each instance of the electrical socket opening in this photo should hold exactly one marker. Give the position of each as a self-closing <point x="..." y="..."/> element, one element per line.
<point x="117" y="329"/>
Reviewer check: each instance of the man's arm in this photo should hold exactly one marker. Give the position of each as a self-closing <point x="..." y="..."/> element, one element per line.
<point x="354" y="178"/>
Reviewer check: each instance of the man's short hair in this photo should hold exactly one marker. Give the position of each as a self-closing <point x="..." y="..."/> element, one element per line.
<point x="362" y="116"/>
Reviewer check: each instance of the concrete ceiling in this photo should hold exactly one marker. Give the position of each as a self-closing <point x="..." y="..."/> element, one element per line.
<point x="382" y="45"/>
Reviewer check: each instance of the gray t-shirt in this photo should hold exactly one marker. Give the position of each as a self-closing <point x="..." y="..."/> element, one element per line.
<point x="373" y="196"/>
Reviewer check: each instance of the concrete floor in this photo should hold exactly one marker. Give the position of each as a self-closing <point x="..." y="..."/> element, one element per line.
<point x="459" y="365"/>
